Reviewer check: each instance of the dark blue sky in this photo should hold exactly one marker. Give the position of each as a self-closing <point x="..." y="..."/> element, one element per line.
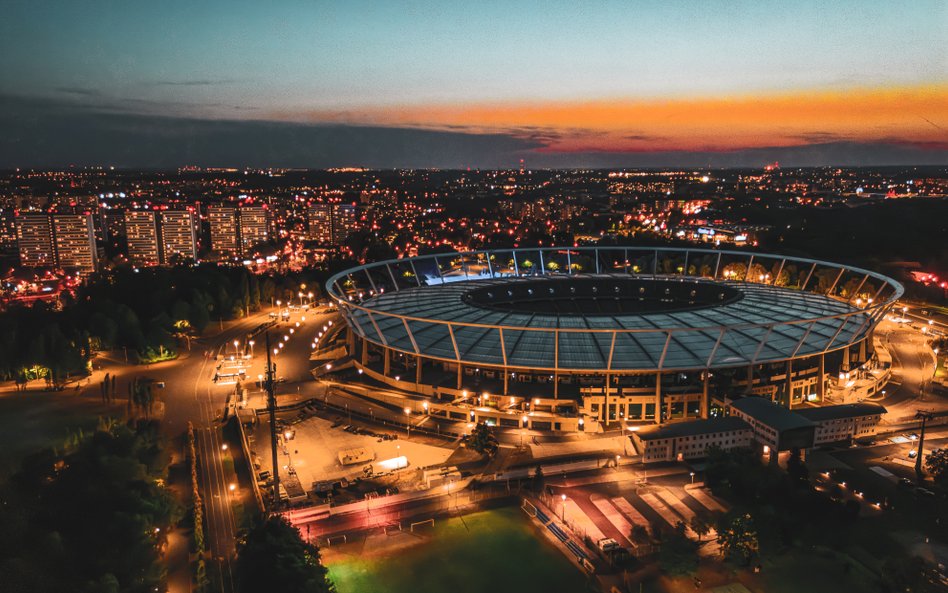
<point x="563" y="82"/>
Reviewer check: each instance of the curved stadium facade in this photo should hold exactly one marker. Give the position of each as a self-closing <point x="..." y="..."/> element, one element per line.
<point x="556" y="338"/>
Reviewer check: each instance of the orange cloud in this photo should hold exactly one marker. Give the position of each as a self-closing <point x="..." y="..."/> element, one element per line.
<point x="917" y="115"/>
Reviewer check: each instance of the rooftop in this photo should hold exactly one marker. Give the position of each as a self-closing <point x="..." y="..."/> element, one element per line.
<point x="693" y="428"/>
<point x="842" y="411"/>
<point x="772" y="414"/>
<point x="585" y="333"/>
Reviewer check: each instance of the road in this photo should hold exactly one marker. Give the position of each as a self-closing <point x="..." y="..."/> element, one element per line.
<point x="912" y="369"/>
<point x="191" y="395"/>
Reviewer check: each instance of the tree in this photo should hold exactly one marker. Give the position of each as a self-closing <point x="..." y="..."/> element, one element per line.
<point x="737" y="536"/>
<point x="678" y="554"/>
<point x="796" y="469"/>
<point x="538" y="480"/>
<point x="273" y="557"/>
<point x="936" y="463"/>
<point x="701" y="525"/>
<point x="639" y="534"/>
<point x="483" y="440"/>
<point x="97" y="514"/>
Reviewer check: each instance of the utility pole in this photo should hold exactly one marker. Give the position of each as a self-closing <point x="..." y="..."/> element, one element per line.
<point x="271" y="406"/>
<point x="924" y="417"/>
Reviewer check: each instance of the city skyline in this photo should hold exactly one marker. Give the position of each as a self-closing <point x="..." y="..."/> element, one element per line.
<point x="431" y="85"/>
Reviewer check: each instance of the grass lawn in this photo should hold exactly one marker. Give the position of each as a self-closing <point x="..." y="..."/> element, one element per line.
<point x="494" y="551"/>
<point x="33" y="421"/>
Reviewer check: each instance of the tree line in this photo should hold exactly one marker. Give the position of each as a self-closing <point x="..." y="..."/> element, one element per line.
<point x="90" y="520"/>
<point x="145" y="312"/>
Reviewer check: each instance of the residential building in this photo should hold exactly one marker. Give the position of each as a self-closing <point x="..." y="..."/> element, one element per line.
<point x="224" y="234"/>
<point x="34" y="234"/>
<point x="74" y="240"/>
<point x="143" y="236"/>
<point x="178" y="237"/>
<point x="253" y="227"/>
<point x="319" y="216"/>
<point x="331" y="223"/>
<point x="344" y="222"/>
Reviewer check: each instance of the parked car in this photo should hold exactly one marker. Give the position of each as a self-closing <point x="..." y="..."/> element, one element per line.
<point x="607" y="544"/>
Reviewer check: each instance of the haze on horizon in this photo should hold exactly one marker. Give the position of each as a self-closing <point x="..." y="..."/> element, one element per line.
<point x="451" y="85"/>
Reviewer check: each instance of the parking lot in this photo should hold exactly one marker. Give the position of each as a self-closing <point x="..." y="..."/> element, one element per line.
<point x="312" y="452"/>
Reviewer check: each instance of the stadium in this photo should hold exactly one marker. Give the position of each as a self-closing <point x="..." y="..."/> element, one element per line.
<point x="582" y="337"/>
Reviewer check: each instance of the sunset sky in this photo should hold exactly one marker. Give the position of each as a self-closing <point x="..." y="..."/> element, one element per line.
<point x="556" y="77"/>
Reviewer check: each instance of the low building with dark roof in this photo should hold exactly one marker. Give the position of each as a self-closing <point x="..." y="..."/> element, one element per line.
<point x="844" y="422"/>
<point x="775" y="427"/>
<point x="690" y="440"/>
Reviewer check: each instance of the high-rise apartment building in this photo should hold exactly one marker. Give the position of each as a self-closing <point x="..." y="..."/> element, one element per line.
<point x="253" y="227"/>
<point x="344" y="222"/>
<point x="74" y="239"/>
<point x="331" y="223"/>
<point x="236" y="231"/>
<point x="34" y="236"/>
<point x="320" y="222"/>
<point x="143" y="236"/>
<point x="8" y="242"/>
<point x="223" y="223"/>
<point x="178" y="239"/>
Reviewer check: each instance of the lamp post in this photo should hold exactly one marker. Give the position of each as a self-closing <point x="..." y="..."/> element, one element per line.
<point x="408" y="422"/>
<point x="924" y="417"/>
<point x="251" y="342"/>
<point x="563" y="507"/>
<point x="692" y="474"/>
<point x="236" y="349"/>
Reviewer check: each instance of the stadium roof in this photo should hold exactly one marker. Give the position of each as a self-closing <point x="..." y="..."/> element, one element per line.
<point x="619" y="309"/>
<point x="760" y="327"/>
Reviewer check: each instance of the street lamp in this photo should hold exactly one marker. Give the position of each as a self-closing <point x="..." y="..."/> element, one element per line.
<point x="563" y="507"/>
<point x="408" y="422"/>
<point x="236" y="344"/>
<point x="692" y="474"/>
